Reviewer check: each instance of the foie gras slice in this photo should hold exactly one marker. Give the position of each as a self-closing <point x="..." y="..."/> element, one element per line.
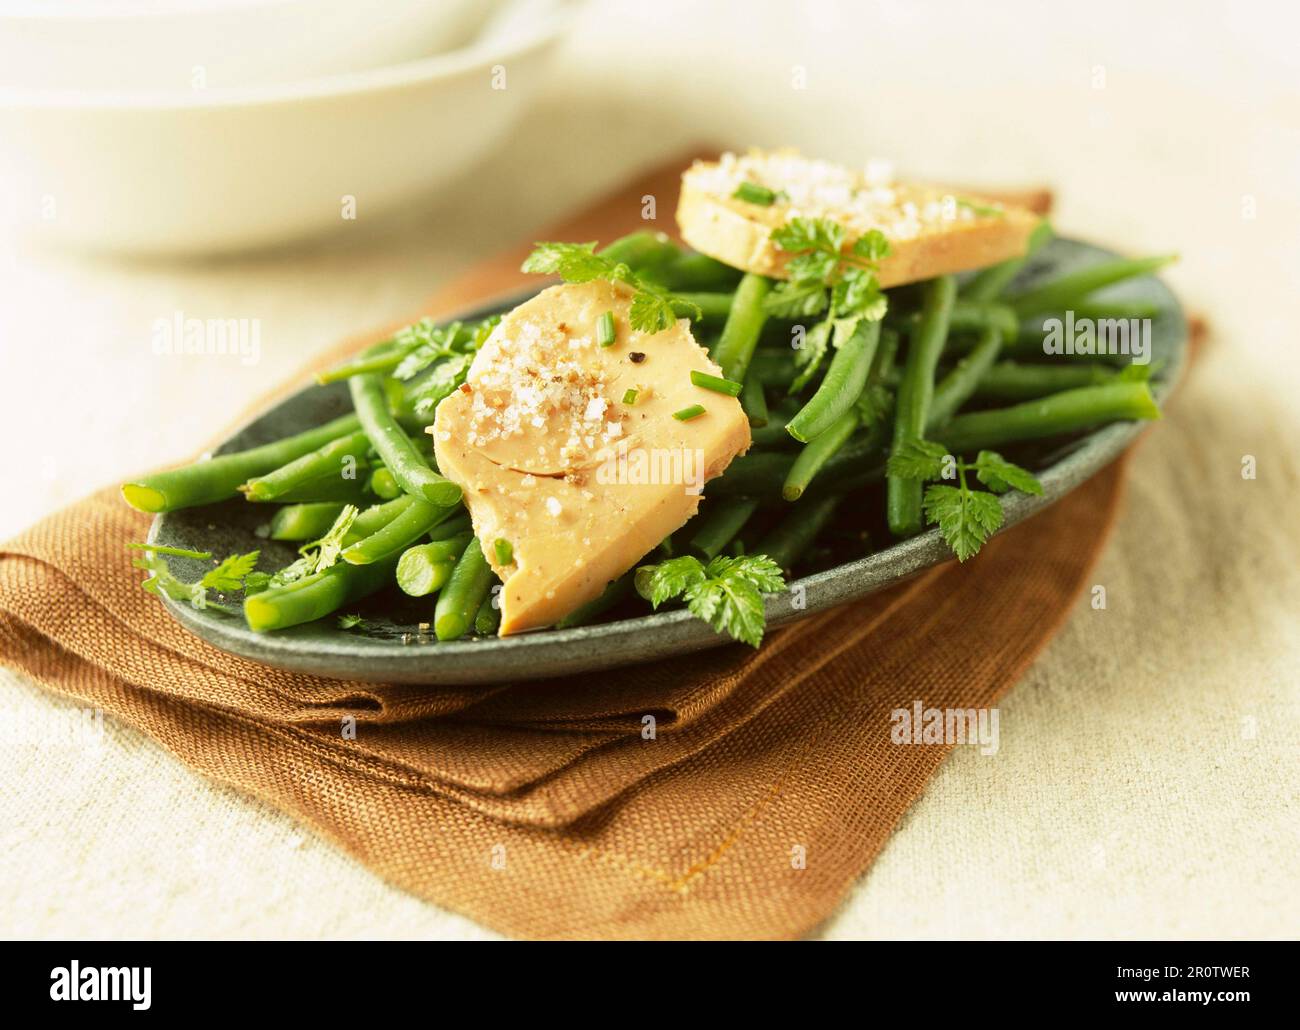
<point x="557" y="458"/>
<point x="932" y="230"/>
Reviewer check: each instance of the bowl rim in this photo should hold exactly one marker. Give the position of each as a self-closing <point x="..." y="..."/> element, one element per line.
<point x="552" y="18"/>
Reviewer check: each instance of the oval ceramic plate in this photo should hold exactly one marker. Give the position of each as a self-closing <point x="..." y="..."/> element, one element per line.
<point x="390" y="647"/>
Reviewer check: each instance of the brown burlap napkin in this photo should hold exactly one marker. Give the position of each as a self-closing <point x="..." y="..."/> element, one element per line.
<point x="542" y="809"/>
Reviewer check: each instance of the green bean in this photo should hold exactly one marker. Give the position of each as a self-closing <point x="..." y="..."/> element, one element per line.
<point x="329" y="460"/>
<point x="691" y="271"/>
<point x="395" y="448"/>
<point x="1064" y="292"/>
<point x="488" y="619"/>
<point x="383" y="483"/>
<point x="408" y="527"/>
<point x="454" y="526"/>
<point x="773" y="367"/>
<point x="1065" y="412"/>
<point x="761" y="474"/>
<point x="711" y="305"/>
<point x="1033" y="331"/>
<point x="1014" y="381"/>
<point x="382" y="357"/>
<point x="960" y="384"/>
<point x="644" y="252"/>
<point x="773" y="433"/>
<point x="915" y="391"/>
<point x="719" y="525"/>
<point x="756" y="474"/>
<point x="206" y="482"/>
<point x="968" y="316"/>
<point x="377" y="516"/>
<point x="459" y="601"/>
<point x="816" y="453"/>
<point x="990" y="282"/>
<point x="328" y="487"/>
<point x="610" y="596"/>
<point x="841" y="386"/>
<point x="735" y="347"/>
<point x="298" y="522"/>
<point x="791" y="537"/>
<point x="882" y="365"/>
<point x="315" y="596"/>
<point x="425" y="568"/>
<point x="754" y="401"/>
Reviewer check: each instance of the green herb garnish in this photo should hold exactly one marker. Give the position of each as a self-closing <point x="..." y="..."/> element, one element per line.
<point x="605" y="329"/>
<point x="686" y="414"/>
<point x="966" y="518"/>
<point x="824" y="278"/>
<point x="753" y="193"/>
<point x="652" y="306"/>
<point x="726" y="593"/>
<point x="716" y="383"/>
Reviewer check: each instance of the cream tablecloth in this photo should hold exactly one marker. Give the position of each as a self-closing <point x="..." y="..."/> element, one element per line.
<point x="1147" y="780"/>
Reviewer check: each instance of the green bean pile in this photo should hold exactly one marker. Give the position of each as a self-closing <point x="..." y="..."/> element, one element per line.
<point x="957" y="364"/>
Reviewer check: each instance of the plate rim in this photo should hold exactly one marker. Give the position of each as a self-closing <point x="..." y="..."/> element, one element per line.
<point x="560" y="652"/>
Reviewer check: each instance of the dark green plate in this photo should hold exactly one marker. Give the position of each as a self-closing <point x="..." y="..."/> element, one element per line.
<point x="390" y="647"/>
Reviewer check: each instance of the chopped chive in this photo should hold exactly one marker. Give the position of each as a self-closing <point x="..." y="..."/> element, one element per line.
<point x="179" y="552"/>
<point x="505" y="552"/>
<point x="982" y="210"/>
<point x="686" y="414"/>
<point x="605" y="329"/>
<point x="716" y="383"/>
<point x="752" y="193"/>
<point x="629" y="397"/>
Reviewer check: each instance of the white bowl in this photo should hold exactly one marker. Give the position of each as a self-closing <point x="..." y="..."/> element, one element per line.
<point x="232" y="169"/>
<point x="183" y="45"/>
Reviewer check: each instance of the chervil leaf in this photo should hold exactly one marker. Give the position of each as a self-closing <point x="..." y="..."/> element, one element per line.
<point x="729" y="598"/>
<point x="795" y="300"/>
<point x="651" y="312"/>
<point x="446" y="376"/>
<point x="874" y="404"/>
<point x="918" y="459"/>
<point x="668" y="579"/>
<point x="799" y="234"/>
<point x="844" y="330"/>
<point x="872" y="246"/>
<point x="229" y="575"/>
<point x="858" y="294"/>
<point x="731" y="606"/>
<point x="808" y="358"/>
<point x="330" y="546"/>
<point x="758" y="569"/>
<point x="652" y="307"/>
<point x="438" y="342"/>
<point x="812" y="266"/>
<point x="966" y="518"/>
<point x="727" y="593"/>
<point x="1000" y="475"/>
<point x="572" y="262"/>
<point x="321" y="554"/>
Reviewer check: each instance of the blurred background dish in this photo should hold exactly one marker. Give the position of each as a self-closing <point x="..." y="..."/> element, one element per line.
<point x="166" y="45"/>
<point x="225" y="168"/>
